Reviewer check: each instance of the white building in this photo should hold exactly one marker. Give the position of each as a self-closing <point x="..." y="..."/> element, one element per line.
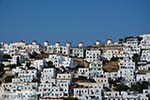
<point x="58" y="49"/>
<point x="132" y="42"/>
<point x="112" y="75"/>
<point x="88" y="92"/>
<point x="54" y="90"/>
<point x="145" y="42"/>
<point x="34" y="47"/>
<point x="16" y="70"/>
<point x="146" y="91"/>
<point x="130" y="50"/>
<point x="48" y="75"/>
<point x="64" y="86"/>
<point x="143" y="77"/>
<point x="145" y="56"/>
<point x="95" y="69"/>
<point x="19" y="91"/>
<point x="126" y="74"/>
<point x="64" y="76"/>
<point x="108" y="54"/>
<point x="17" y="59"/>
<point x="93" y="55"/>
<point x="27" y="75"/>
<point x="78" y="52"/>
<point x="83" y="72"/>
<point x="102" y="80"/>
<point x="126" y="62"/>
<point x="39" y="64"/>
<point x="115" y="95"/>
<point x="62" y="61"/>
<point x="144" y="67"/>
<point x="131" y="47"/>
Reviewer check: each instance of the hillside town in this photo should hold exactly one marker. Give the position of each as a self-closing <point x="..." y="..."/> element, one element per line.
<point x="102" y="71"/>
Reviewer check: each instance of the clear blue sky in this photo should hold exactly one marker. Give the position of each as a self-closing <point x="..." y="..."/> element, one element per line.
<point x="72" y="20"/>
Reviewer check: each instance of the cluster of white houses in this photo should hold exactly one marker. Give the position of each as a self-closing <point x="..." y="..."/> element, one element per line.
<point x="36" y="79"/>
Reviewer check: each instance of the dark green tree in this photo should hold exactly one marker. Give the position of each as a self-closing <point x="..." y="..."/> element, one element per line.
<point x="114" y="59"/>
<point x="121" y="87"/>
<point x="139" y="86"/>
<point x="136" y="58"/>
<point x="6" y="56"/>
<point x="1" y="67"/>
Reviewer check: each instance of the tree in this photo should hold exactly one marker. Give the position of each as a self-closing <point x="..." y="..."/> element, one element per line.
<point x="18" y="61"/>
<point x="121" y="40"/>
<point x="135" y="58"/>
<point x="139" y="86"/>
<point x="1" y="67"/>
<point x="8" y="79"/>
<point x="33" y="54"/>
<point x="114" y="59"/>
<point x="12" y="66"/>
<point x="28" y="64"/>
<point x="49" y="65"/>
<point x="82" y="78"/>
<point x="121" y="87"/>
<point x="6" y="56"/>
<point x="139" y="38"/>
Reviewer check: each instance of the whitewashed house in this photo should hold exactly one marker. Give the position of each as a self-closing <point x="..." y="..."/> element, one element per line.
<point x="126" y="74"/>
<point x="27" y="75"/>
<point x="17" y="59"/>
<point x="62" y="61"/>
<point x="144" y="67"/>
<point x="143" y="77"/>
<point x="24" y="53"/>
<point x="58" y="49"/>
<point x="54" y="90"/>
<point x="93" y="55"/>
<point x="23" y="95"/>
<point x="146" y="91"/>
<point x="126" y="62"/>
<point x="39" y="64"/>
<point x="19" y="91"/>
<point x="44" y="89"/>
<point x="130" y="51"/>
<point x="132" y="42"/>
<point x="85" y="93"/>
<point x="102" y="80"/>
<point x="112" y="95"/>
<point x="116" y="95"/>
<point x="108" y="54"/>
<point x="48" y="75"/>
<point x="34" y="47"/>
<point x="16" y="70"/>
<point x="83" y="72"/>
<point x="132" y="46"/>
<point x="112" y="75"/>
<point x="64" y="86"/>
<point x="64" y="76"/>
<point x="78" y="52"/>
<point x="145" y="56"/>
<point x="95" y="69"/>
<point x="145" y="42"/>
<point x="9" y="49"/>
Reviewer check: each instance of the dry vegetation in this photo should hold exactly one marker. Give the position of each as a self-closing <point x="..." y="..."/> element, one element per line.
<point x="111" y="66"/>
<point x="81" y="61"/>
<point x="143" y="71"/>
